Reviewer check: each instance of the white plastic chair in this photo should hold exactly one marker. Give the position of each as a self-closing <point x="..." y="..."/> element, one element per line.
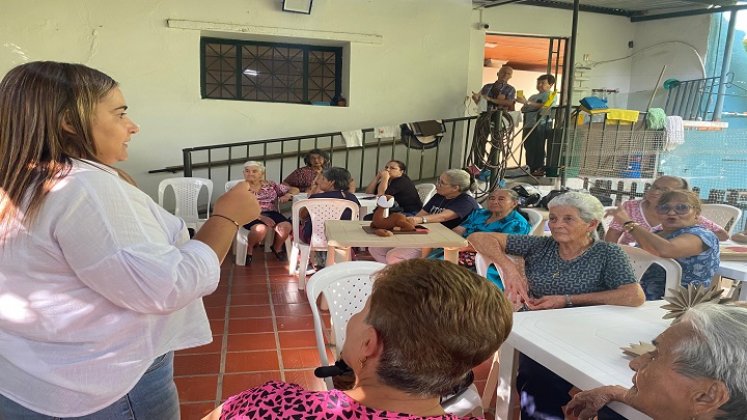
<point x="346" y="287"/>
<point x="641" y="260"/>
<point x="536" y="220"/>
<point x="320" y="210"/>
<point x="426" y="191"/>
<point x="186" y="192"/>
<point x="724" y="215"/>
<point x="241" y="242"/>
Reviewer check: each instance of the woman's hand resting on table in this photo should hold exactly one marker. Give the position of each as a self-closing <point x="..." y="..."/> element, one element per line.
<point x="546" y="302"/>
<point x="586" y="404"/>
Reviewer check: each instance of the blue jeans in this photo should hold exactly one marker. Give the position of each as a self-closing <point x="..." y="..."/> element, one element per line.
<point x="153" y="397"/>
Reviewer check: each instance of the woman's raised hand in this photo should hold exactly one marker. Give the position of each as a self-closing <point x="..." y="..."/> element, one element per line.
<point x="619" y="213"/>
<point x="238" y="204"/>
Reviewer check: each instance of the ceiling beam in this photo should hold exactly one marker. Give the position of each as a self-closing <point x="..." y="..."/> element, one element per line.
<point x="684" y="13"/>
<point x="568" y="6"/>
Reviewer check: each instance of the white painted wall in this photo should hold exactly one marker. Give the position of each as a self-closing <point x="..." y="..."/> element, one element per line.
<point x="679" y="43"/>
<point x="602" y="37"/>
<point x="418" y="71"/>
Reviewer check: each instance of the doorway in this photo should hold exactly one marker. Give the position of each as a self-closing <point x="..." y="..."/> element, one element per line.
<point x="530" y="57"/>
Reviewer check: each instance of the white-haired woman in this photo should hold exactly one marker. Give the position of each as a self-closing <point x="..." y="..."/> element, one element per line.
<point x="695" y="372"/>
<point x="449" y="206"/>
<point x="571" y="268"/>
<point x="269" y="194"/>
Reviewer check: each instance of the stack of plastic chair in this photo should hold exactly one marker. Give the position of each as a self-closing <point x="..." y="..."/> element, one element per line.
<point x="320" y="210"/>
<point x="186" y="192"/>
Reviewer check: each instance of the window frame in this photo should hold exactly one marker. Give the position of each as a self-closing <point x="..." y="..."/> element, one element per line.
<point x="307" y="49"/>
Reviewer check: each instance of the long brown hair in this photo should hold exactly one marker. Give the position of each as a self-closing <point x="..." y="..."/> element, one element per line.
<point x="36" y="100"/>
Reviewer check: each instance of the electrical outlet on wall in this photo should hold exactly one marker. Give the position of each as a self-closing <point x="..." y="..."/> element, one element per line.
<point x="587" y="57"/>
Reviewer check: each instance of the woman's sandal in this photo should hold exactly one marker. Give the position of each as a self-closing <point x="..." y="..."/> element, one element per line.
<point x="280" y="255"/>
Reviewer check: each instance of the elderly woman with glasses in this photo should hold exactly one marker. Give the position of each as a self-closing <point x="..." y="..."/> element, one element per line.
<point x="449" y="206"/>
<point x="695" y="248"/>
<point x="570" y="268"/>
<point x="695" y="372"/>
<point x="644" y="213"/>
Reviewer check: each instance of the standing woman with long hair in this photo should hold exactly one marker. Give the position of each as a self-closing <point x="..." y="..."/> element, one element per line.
<point x="99" y="285"/>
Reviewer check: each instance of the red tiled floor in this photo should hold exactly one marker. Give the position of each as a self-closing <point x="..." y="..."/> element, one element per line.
<point x="296" y="339"/>
<point x="300" y="358"/>
<point x="295" y="323"/>
<point x="257" y="341"/>
<point x="252" y="361"/>
<point x="191" y="364"/>
<point x="250" y="325"/>
<point x="196" y="388"/>
<point x="292" y="309"/>
<point x="249" y="299"/>
<point x="250" y="311"/>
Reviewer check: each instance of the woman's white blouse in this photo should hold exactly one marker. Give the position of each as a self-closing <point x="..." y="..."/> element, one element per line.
<point x="100" y="284"/>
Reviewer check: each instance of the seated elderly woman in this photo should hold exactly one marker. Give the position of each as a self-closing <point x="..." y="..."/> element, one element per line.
<point x="696" y="372"/>
<point x="449" y="206"/>
<point x="695" y="248"/>
<point x="268" y="194"/>
<point x="571" y="268"/>
<point x="401" y="368"/>
<point x="644" y="213"/>
<point x="303" y="178"/>
<point x="502" y="215"/>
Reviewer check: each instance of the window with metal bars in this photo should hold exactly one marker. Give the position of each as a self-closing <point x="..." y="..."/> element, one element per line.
<point x="269" y="72"/>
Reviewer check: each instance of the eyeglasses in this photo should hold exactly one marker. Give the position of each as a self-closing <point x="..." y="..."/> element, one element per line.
<point x="391" y="167"/>
<point x="439" y="182"/>
<point x="679" y="209"/>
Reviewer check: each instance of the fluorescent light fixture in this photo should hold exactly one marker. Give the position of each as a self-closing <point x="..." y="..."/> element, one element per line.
<point x="297" y="6"/>
<point x="250" y="72"/>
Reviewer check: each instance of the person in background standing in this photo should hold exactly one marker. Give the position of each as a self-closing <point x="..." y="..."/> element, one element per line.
<point x="499" y="95"/>
<point x="536" y="137"/>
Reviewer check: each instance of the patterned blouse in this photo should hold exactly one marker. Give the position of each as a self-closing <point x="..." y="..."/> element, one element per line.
<point x="635" y="211"/>
<point x="268" y="195"/>
<point x="696" y="270"/>
<point x="603" y="266"/>
<point x="301" y="178"/>
<point x="278" y="400"/>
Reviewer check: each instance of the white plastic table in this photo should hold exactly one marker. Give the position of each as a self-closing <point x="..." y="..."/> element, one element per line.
<point x="345" y="234"/>
<point x="582" y="345"/>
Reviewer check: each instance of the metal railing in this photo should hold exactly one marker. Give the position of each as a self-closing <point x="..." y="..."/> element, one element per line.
<point x="692" y="99"/>
<point x="281" y="156"/>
